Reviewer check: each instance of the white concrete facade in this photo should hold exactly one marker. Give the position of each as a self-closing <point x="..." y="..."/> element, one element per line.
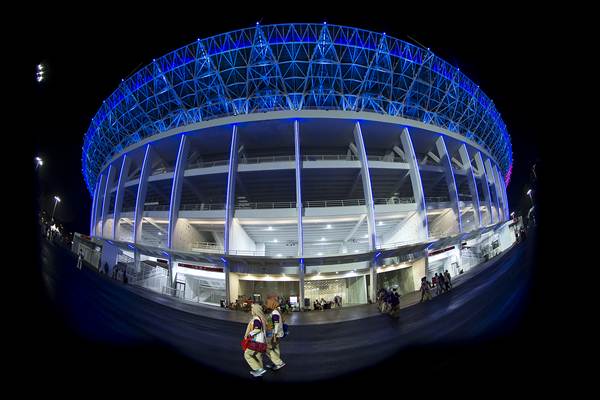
<point x="358" y="224"/>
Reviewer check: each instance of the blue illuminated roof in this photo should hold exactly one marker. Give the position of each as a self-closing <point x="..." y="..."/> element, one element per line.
<point x="292" y="67"/>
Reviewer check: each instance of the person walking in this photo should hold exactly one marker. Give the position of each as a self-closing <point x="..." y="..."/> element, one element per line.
<point x="395" y="303"/>
<point x="434" y="281"/>
<point x="274" y="333"/>
<point x="79" y="259"/>
<point x="425" y="290"/>
<point x="441" y="284"/>
<point x="255" y="331"/>
<point x="448" y="280"/>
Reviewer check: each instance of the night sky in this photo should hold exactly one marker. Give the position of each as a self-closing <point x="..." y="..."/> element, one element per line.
<point x="88" y="56"/>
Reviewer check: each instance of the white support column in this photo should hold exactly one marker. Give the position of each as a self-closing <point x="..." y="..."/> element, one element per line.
<point x="301" y="267"/>
<point x="366" y="181"/>
<point x="502" y="186"/>
<point x="141" y="195"/>
<point x="93" y="210"/>
<point x="506" y="197"/>
<point x="106" y="198"/>
<point x="484" y="179"/>
<point x="136" y="259"/>
<point x="99" y="201"/>
<point x="175" y="199"/>
<point x="417" y="185"/>
<point x="440" y="144"/>
<point x="489" y="171"/>
<point x="368" y="193"/>
<point x="499" y="191"/>
<point x="230" y="203"/>
<point x="468" y="168"/>
<point x="119" y="196"/>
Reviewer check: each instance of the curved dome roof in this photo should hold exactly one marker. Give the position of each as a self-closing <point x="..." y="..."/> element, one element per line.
<point x="292" y="67"/>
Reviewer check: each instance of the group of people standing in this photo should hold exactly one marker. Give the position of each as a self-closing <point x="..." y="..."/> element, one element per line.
<point x="388" y="301"/>
<point x="327" y="305"/>
<point x="263" y="335"/>
<point x="441" y="282"/>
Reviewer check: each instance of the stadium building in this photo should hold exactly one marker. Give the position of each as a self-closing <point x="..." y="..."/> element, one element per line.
<point x="308" y="160"/>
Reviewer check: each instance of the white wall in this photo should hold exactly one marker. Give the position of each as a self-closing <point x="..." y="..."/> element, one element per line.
<point x="239" y="239"/>
<point x="234" y="287"/>
<point x="107" y="228"/>
<point x="443" y="223"/>
<point x="506" y="236"/>
<point x="125" y="232"/>
<point x="442" y="262"/>
<point x="184" y="235"/>
<point x="97" y="231"/>
<point x="405" y="230"/>
<point x="418" y="271"/>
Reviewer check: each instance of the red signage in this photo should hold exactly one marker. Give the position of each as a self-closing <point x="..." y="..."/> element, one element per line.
<point x="201" y="267"/>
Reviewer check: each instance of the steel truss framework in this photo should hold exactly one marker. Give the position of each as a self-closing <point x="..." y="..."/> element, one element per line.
<point x="292" y="67"/>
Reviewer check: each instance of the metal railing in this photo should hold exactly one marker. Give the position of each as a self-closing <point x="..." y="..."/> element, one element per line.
<point x="207" y="246"/>
<point x="202" y="207"/>
<point x="207" y="164"/>
<point x="394" y="200"/>
<point x="162" y="170"/>
<point x="334" y="203"/>
<point x="265" y="159"/>
<point x="437" y="199"/>
<point x="156" y="207"/>
<point x="262" y="205"/>
<point x="329" y="157"/>
<point x="287" y="204"/>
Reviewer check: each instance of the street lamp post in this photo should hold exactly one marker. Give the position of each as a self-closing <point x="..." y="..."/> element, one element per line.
<point x="38" y="162"/>
<point x="56" y="201"/>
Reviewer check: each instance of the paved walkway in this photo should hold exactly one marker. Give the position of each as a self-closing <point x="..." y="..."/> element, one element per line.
<point x="104" y="312"/>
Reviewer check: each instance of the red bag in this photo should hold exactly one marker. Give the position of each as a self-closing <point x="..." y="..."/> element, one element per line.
<point x="259" y="347"/>
<point x="245" y="343"/>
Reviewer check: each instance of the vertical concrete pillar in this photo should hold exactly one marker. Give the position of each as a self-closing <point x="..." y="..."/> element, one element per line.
<point x="468" y="168"/>
<point x="93" y="210"/>
<point x="175" y="199"/>
<point x="489" y="171"/>
<point x="417" y="185"/>
<point x="301" y="266"/>
<point x="502" y="188"/>
<point x="440" y="144"/>
<point x="177" y="183"/>
<point x="99" y="201"/>
<point x="368" y="194"/>
<point x="106" y="198"/>
<point x="503" y="184"/>
<point x="230" y="202"/>
<point x="486" y="186"/>
<point x="119" y="196"/>
<point x="141" y="195"/>
<point x="500" y="193"/>
<point x="136" y="260"/>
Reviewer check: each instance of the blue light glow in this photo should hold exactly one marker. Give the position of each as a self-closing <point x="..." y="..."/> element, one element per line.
<point x="207" y="80"/>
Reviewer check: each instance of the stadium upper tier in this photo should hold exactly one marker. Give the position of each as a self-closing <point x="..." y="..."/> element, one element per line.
<point x="292" y="67"/>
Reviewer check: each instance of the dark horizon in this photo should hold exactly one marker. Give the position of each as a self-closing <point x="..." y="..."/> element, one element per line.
<point x="85" y="65"/>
